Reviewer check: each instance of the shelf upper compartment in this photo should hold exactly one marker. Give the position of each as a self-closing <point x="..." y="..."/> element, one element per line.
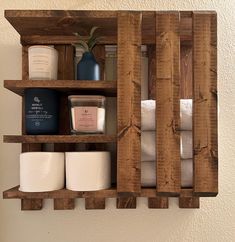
<point x="108" y="88"/>
<point x="59" y="138"/>
<point x="47" y="26"/>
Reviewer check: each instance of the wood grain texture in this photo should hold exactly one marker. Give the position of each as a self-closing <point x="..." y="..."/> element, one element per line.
<point x="154" y="202"/>
<point x="186" y="72"/>
<point x="59" y="138"/>
<point x="64" y="204"/>
<point x="167" y="103"/>
<point x="151" y="49"/>
<point x="31" y="204"/>
<point x="57" y="26"/>
<point x="128" y="103"/>
<point x="126" y="203"/>
<point x="158" y="202"/>
<point x="188" y="200"/>
<point x="205" y="104"/>
<point x="108" y="88"/>
<point x="95" y="203"/>
<point x="68" y="194"/>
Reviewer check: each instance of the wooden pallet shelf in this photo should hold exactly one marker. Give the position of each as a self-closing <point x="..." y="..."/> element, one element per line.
<point x="108" y="88"/>
<point x="182" y="63"/>
<point x="32" y="139"/>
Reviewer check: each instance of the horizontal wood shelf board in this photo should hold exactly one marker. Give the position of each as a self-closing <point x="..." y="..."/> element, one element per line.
<point x="58" y="26"/>
<point x="68" y="194"/>
<point x="18" y="86"/>
<point x="185" y="37"/>
<point x="60" y="14"/>
<point x="59" y="138"/>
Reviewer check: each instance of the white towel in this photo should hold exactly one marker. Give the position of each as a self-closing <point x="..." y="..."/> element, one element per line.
<point x="186" y="111"/>
<point x="187" y="173"/>
<point x="148" y="145"/>
<point x="186" y="145"/>
<point x="148" y="114"/>
<point x="148" y="173"/>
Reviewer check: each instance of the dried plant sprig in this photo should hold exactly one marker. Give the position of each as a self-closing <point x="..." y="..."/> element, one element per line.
<point x="87" y="44"/>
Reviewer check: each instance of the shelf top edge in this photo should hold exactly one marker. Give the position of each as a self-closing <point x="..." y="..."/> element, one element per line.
<point x="15" y="13"/>
<point x="12" y="13"/>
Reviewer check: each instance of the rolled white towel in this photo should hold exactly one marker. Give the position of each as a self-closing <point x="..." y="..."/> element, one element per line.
<point x="186" y="111"/>
<point x="186" y="145"/>
<point x="187" y="173"/>
<point x="148" y="145"/>
<point x="148" y="114"/>
<point x="148" y="173"/>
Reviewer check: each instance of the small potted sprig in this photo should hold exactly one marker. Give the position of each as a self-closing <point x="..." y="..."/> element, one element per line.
<point x="88" y="68"/>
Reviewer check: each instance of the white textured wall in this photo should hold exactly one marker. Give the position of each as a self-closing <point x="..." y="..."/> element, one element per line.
<point x="213" y="222"/>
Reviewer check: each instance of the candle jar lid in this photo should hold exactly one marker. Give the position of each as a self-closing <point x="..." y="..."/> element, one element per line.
<point x="87" y="100"/>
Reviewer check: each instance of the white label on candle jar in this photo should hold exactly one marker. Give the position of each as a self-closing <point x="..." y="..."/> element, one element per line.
<point x="37" y="112"/>
<point x="85" y="118"/>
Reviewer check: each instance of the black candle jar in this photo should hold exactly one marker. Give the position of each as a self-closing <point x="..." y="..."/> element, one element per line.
<point x="41" y="111"/>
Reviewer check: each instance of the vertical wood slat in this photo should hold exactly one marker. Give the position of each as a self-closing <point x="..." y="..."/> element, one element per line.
<point x="158" y="202"/>
<point x="188" y="200"/>
<point x="205" y="104"/>
<point x="126" y="202"/>
<point x="28" y="204"/>
<point x="154" y="202"/>
<point x="128" y="106"/>
<point x="95" y="203"/>
<point x="31" y="204"/>
<point x="167" y="103"/>
<point x="151" y="72"/>
<point x="65" y="72"/>
<point x="186" y="91"/>
<point x="64" y="203"/>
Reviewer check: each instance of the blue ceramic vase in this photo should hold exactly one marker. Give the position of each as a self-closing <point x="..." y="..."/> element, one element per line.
<point x="88" y="68"/>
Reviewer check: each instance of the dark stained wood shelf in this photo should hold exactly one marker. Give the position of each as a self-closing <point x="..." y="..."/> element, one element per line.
<point x="59" y="138"/>
<point x="182" y="63"/>
<point x="57" y="27"/>
<point x="109" y="88"/>
<point x="64" y="193"/>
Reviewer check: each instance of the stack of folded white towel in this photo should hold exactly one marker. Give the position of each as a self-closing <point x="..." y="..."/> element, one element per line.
<point x="148" y="154"/>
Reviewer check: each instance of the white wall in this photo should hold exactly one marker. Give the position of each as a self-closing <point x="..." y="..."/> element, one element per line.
<point x="213" y="222"/>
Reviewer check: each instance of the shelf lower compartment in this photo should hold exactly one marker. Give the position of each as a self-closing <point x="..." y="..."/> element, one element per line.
<point x="59" y="138"/>
<point x="65" y="199"/>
